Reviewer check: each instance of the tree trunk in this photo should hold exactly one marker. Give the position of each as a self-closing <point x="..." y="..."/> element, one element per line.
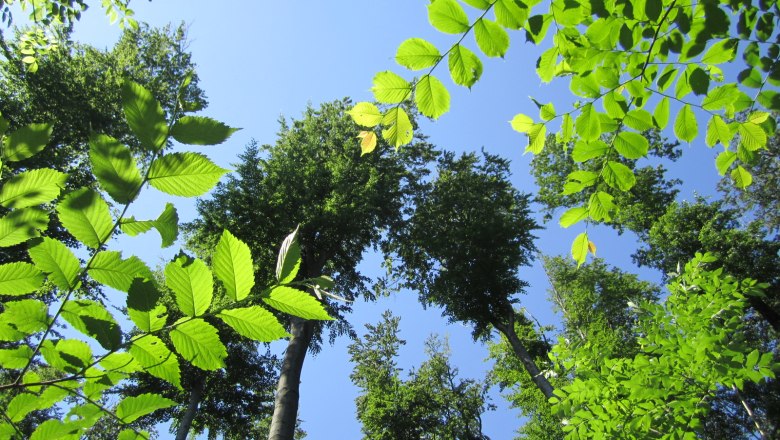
<point x="767" y="312"/>
<point x="528" y="362"/>
<point x="287" y="390"/>
<point x="196" y="394"/>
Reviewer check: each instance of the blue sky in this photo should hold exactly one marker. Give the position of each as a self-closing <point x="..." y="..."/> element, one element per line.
<point x="259" y="60"/>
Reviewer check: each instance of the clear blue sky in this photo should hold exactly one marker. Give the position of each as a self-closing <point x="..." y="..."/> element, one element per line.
<point x="260" y="60"/>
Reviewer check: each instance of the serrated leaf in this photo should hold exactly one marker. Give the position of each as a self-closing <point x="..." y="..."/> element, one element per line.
<point x="86" y="216"/>
<point x="192" y="282"/>
<point x="32" y="188"/>
<point x="522" y="123"/>
<point x="547" y="111"/>
<point x="92" y="319"/>
<point x="448" y="16"/>
<point x="133" y="407"/>
<point x="68" y="355"/>
<point x="26" y="142"/>
<point x="152" y="354"/>
<point x="721" y="52"/>
<point x="465" y="67"/>
<point x="20" y="406"/>
<point x="142" y="305"/>
<point x="416" y="54"/>
<point x="584" y="151"/>
<point x="479" y="4"/>
<point x="567" y="129"/>
<point x="115" y="168"/>
<point x="200" y="130"/>
<point x="615" y="105"/>
<point x="184" y="174"/>
<point x="685" y="125"/>
<point x="588" y="123"/>
<point x="296" y="302"/>
<point x="55" y="429"/>
<point x="724" y="160"/>
<point x="579" y="248"/>
<point x="15" y="358"/>
<point x="232" y="264"/>
<point x="509" y="14"/>
<point x="573" y="216"/>
<point x="752" y="136"/>
<point x="491" y="38"/>
<point x="545" y="65"/>
<point x="109" y="268"/>
<point x="254" y="323"/>
<point x="399" y="131"/>
<point x="365" y="114"/>
<point x="53" y="257"/>
<point x="121" y="362"/>
<point x="198" y="342"/>
<point x="367" y="142"/>
<point x="720" y="97"/>
<point x="741" y="177"/>
<point x="21" y="225"/>
<point x="618" y="176"/>
<point x="432" y="98"/>
<point x="129" y="434"/>
<point x="631" y="145"/>
<point x="390" y="88"/>
<point x="718" y="131"/>
<point x="167" y="225"/>
<point x="19" y="278"/>
<point x="661" y="113"/>
<point x="600" y="206"/>
<point x="144" y="116"/>
<point x="537" y="135"/>
<point x="639" y="120"/>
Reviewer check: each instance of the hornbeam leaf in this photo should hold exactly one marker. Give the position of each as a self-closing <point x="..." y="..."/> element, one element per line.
<point x="685" y="126"/>
<point x="618" y="176"/>
<point x="86" y="216"/>
<point x="142" y="305"/>
<point x="198" y="342"/>
<point x="536" y="138"/>
<point x="27" y="315"/>
<point x="192" y="282"/>
<point x="184" y="174"/>
<point x="545" y="65"/>
<point x="26" y="142"/>
<point x="367" y="142"/>
<point x="720" y="97"/>
<point x="588" y="123"/>
<point x="579" y="248"/>
<point x="114" y="167"/>
<point x="152" y="354"/>
<point x="600" y="206"/>
<point x="741" y="177"/>
<point x="567" y="129"/>
<point x="416" y="54"/>
<point x="297" y="303"/>
<point x="724" y="160"/>
<point x="448" y="16"/>
<point x="254" y="323"/>
<point x="573" y="215"/>
<point x="129" y="434"/>
<point x="53" y="257"/>
<point x="491" y="38"/>
<point x="752" y="136"/>
<point x="109" y="268"/>
<point x="639" y="120"/>
<point x="509" y="14"/>
<point x="522" y="123"/>
<point x="19" y="278"/>
<point x="432" y="97"/>
<point x="120" y="362"/>
<point x="15" y="358"/>
<point x="465" y="67"/>
<point x="32" y="188"/>
<point x="365" y="114"/>
<point x="399" y="131"/>
<point x="289" y="259"/>
<point x="232" y="264"/>
<point x="718" y="131"/>
<point x="390" y="88"/>
<point x="200" y="130"/>
<point x="631" y="145"/>
<point x="144" y="116"/>
<point x="133" y="407"/>
<point x="21" y="225"/>
<point x="167" y="225"/>
<point x="92" y="319"/>
<point x="588" y="150"/>
<point x="661" y="114"/>
<point x="547" y="111"/>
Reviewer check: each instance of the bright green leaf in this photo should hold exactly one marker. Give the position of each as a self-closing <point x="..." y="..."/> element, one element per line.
<point x="115" y="168"/>
<point x="399" y="131"/>
<point x="639" y="120"/>
<point x="192" y="282"/>
<point x="200" y="130"/>
<point x="390" y="88"/>
<point x="724" y="160"/>
<point x="86" y="216"/>
<point x="752" y="136"/>
<point x="661" y="113"/>
<point x="573" y="216"/>
<point x="21" y="225"/>
<point x="685" y="126"/>
<point x="415" y="54"/>
<point x="133" y="407"/>
<point x="92" y="319"/>
<point x="15" y="358"/>
<point x="600" y="206"/>
<point x="109" y="268"/>
<point x="618" y="176"/>
<point x="579" y="248"/>
<point x="289" y="258"/>
<point x="537" y="135"/>
<point x="53" y="257"/>
<point x="184" y="174"/>
<point x="198" y="342"/>
<point x="448" y="16"/>
<point x="232" y="264"/>
<point x="142" y="306"/>
<point x="144" y="116"/>
<point x="741" y="177"/>
<point x="31" y="188"/>
<point x="465" y="67"/>
<point x="365" y="114"/>
<point x="254" y="323"/>
<point x="491" y="38"/>
<point x="588" y="123"/>
<point x="432" y="97"/>
<point x="631" y="145"/>
<point x="297" y="303"/>
<point x="584" y="151"/>
<point x="156" y="359"/>
<point x="26" y="142"/>
<point x="522" y="123"/>
<point x="19" y="278"/>
<point x="545" y="65"/>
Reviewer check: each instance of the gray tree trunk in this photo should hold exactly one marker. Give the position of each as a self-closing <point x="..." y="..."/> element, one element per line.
<point x="528" y="362"/>
<point x="196" y="394"/>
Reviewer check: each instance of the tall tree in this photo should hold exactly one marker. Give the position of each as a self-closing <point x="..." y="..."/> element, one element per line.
<point x="433" y="402"/>
<point x="315" y="179"/>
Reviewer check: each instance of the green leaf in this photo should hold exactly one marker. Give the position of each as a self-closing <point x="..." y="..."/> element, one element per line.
<point x="639" y="120"/>
<point x="567" y="129"/>
<point x="55" y="429"/>
<point x="600" y="206"/>
<point x="32" y="188"/>
<point x="509" y="14"/>
<point x="15" y="358"/>
<point x="86" y="216"/>
<point x="184" y="174"/>
<point x="296" y="302"/>
<point x="232" y="264"/>
<point x="448" y="16"/>
<point x="289" y="258"/>
<point x="192" y="282"/>
<point x="573" y="216"/>
<point x="20" y="406"/>
<point x="21" y="225"/>
<point x="144" y="116"/>
<point x="142" y="305"/>
<point x="547" y="111"/>
<point x="724" y="160"/>
<point x="579" y="248"/>
<point x="399" y="131"/>
<point x="133" y="407"/>
<point x="156" y="359"/>
<point x="109" y="268"/>
<point x="741" y="177"/>
<point x="536" y="138"/>
<point x="432" y="97"/>
<point x="618" y="176"/>
<point x="721" y="52"/>
<point x="588" y="123"/>
<point x="254" y="323"/>
<point x="129" y="434"/>
<point x="752" y="136"/>
<point x="416" y="54"/>
<point x="718" y="131"/>
<point x="584" y="151"/>
<point x="68" y="355"/>
<point x="120" y="362"/>
<point x="661" y="113"/>
<point x="615" y="105"/>
<point x="685" y="126"/>
<point x="465" y="67"/>
<point x="26" y="142"/>
<point x="522" y="123"/>
<point x="53" y="257"/>
<point x="115" y="168"/>
<point x="631" y="145"/>
<point x="167" y="225"/>
<point x="200" y="130"/>
<point x="390" y="88"/>
<point x="19" y="278"/>
<point x="92" y="319"/>
<point x="365" y="114"/>
<point x="479" y="4"/>
<point x="198" y="342"/>
<point x="545" y="65"/>
<point x="491" y="38"/>
<point x="720" y="97"/>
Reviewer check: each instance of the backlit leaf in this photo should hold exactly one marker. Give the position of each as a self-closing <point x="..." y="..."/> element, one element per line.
<point x="31" y="188"/>
<point x="601" y="206"/>
<point x="142" y="305"/>
<point x="156" y="359"/>
<point x="254" y="323"/>
<point x="588" y="124"/>
<point x="133" y="407"/>
<point x="465" y="67"/>
<point x="15" y="358"/>
<point x="365" y="114"/>
<point x="509" y="14"/>
<point x="144" y="116"/>
<point x="367" y="142"/>
<point x="579" y="248"/>
<point x="721" y="52"/>
<point x="718" y="131"/>
<point x="491" y="38"/>
<point x="167" y="225"/>
<point x="631" y="145"/>
<point x="109" y="268"/>
<point x="390" y="88"/>
<point x="92" y="319"/>
<point x="114" y="167"/>
<point x="289" y="258"/>
<point x="573" y="216"/>
<point x="724" y="160"/>
<point x="399" y="127"/>
<point x="296" y="302"/>
<point x="661" y="113"/>
<point x="19" y="278"/>
<point x="741" y="177"/>
<point x="588" y="150"/>
<point x="618" y="176"/>
<point x="21" y="225"/>
<point x="198" y="342"/>
<point x="432" y="97"/>
<point x="448" y="16"/>
<point x="752" y="136"/>
<point x="27" y="315"/>
<point x="25" y="142"/>
<point x="522" y="123"/>
<point x="184" y="174"/>
<point x="639" y="120"/>
<point x="545" y="65"/>
<point x="415" y="54"/>
<point x="192" y="282"/>
<point x="232" y="264"/>
<point x="536" y="138"/>
<point x="200" y="130"/>
<point x="86" y="216"/>
<point x="53" y="257"/>
<point x="685" y="126"/>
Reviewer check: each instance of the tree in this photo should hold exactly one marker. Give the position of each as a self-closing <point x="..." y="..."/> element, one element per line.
<point x="431" y="403"/>
<point x="313" y="178"/>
